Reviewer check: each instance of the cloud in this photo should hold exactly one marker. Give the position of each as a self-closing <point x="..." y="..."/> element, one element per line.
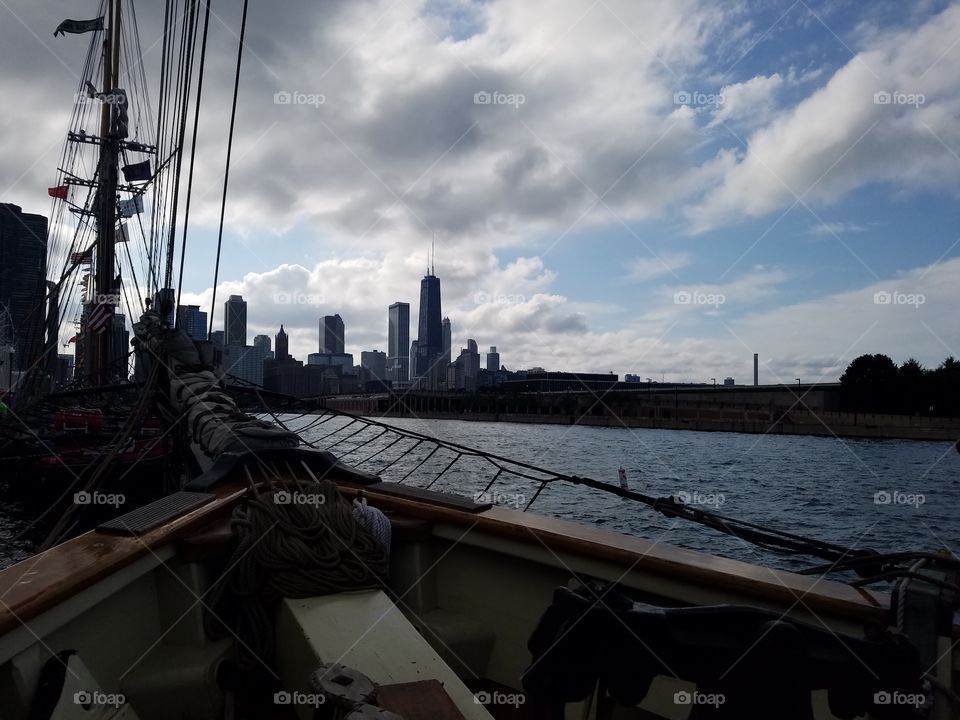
<point x="846" y="134"/>
<point x="835" y="228"/>
<point x="643" y="269"/>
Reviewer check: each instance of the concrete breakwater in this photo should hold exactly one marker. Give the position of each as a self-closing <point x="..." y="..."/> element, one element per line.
<point x="707" y="414"/>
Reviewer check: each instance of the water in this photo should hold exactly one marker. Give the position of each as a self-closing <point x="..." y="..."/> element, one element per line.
<point x="823" y="488"/>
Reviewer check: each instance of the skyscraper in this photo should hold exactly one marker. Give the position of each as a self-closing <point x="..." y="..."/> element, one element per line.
<point x="331" y="335"/>
<point x="430" y="364"/>
<point x="376" y="362"/>
<point x="235" y="321"/>
<point x="23" y="271"/>
<point x="493" y="359"/>
<point x="398" y="342"/>
<point x="446" y="339"/>
<point x="283" y="345"/>
<point x="262" y="343"/>
<point x="193" y="321"/>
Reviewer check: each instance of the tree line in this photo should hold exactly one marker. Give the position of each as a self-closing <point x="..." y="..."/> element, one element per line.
<point x="875" y="383"/>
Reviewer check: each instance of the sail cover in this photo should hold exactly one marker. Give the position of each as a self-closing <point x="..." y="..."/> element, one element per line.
<point x="79" y="26"/>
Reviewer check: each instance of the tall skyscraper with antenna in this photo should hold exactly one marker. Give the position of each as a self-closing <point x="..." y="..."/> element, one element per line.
<point x="430" y="367"/>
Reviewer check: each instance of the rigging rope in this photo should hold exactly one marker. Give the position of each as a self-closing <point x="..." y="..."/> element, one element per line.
<point x="226" y="172"/>
<point x="296" y="538"/>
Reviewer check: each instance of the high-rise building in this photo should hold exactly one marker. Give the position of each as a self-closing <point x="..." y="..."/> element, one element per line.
<point x="398" y="342"/>
<point x="493" y="359"/>
<point x="263" y="342"/>
<point x="331" y="335"/>
<point x="430" y="365"/>
<point x="193" y="321"/>
<point x="413" y="359"/>
<point x="445" y="332"/>
<point x="23" y="271"/>
<point x="283" y="345"/>
<point x="235" y="321"/>
<point x="376" y="362"/>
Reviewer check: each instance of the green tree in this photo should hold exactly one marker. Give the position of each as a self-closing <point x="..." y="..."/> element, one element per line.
<point x="870" y="383"/>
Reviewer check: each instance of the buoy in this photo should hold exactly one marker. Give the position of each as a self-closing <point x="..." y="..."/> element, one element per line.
<point x="622" y="473"/>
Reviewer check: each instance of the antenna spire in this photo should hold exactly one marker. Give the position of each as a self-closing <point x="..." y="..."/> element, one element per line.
<point x="433" y="253"/>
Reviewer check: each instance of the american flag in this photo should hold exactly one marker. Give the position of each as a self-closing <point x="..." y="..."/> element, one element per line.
<point x="100" y="318"/>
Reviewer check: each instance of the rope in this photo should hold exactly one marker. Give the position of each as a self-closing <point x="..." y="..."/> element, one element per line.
<point x="226" y="172"/>
<point x="296" y="539"/>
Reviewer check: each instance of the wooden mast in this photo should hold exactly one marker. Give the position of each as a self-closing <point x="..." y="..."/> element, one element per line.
<point x="101" y="344"/>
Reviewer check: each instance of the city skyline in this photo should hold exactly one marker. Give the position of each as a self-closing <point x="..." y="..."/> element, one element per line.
<point x="779" y="181"/>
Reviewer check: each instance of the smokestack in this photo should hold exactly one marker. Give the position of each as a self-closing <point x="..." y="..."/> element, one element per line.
<point x="756" y="367"/>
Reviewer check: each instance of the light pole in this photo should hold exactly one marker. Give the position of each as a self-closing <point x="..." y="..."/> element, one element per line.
<point x="714" y="383"/>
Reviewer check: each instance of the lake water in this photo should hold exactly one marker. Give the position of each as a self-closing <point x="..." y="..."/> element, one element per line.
<point x="887" y="495"/>
<point x="824" y="488"/>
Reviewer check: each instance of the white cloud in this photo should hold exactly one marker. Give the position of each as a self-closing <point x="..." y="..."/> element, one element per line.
<point x="839" y="138"/>
<point x="643" y="269"/>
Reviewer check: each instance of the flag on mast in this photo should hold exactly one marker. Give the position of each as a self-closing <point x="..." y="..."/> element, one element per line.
<point x="79" y="26"/>
<point x="131" y="207"/>
<point x="137" y="172"/>
<point x="60" y="191"/>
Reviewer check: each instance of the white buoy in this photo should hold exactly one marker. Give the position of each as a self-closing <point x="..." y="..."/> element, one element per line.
<point x="622" y="473"/>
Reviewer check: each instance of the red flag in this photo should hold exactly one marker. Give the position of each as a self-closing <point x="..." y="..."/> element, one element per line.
<point x="73" y="339"/>
<point x="58" y="192"/>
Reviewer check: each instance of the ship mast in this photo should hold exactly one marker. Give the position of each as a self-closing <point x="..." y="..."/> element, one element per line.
<point x="101" y="356"/>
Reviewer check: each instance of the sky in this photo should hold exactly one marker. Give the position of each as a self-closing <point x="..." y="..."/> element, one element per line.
<point x="650" y="187"/>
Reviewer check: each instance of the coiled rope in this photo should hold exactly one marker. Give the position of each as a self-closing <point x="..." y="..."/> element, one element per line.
<point x="296" y="539"/>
